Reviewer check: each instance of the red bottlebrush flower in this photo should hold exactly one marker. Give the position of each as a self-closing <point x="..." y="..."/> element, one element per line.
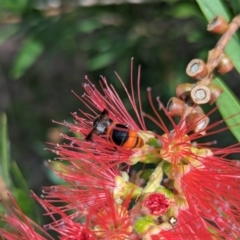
<point x="68" y="226"/>
<point x="185" y="189"/>
<point x="104" y="220"/>
<point x="208" y="181"/>
<point x="111" y="220"/>
<point x="85" y="177"/>
<point x="19" y="226"/>
<point x="214" y="190"/>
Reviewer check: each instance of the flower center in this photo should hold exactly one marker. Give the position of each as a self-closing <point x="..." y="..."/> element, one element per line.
<point x="157" y="203"/>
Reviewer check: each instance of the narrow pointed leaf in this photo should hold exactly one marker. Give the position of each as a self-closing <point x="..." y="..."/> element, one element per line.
<point x="229" y="106"/>
<point x="26" y="57"/>
<point x="4" y="150"/>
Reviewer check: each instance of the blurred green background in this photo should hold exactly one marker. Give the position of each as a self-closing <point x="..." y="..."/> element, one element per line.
<point x="48" y="46"/>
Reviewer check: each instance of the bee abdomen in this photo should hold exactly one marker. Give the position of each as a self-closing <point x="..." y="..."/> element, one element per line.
<point x="125" y="137"/>
<point x="119" y="134"/>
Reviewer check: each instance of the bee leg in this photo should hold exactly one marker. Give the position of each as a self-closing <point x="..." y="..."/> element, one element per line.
<point x="89" y="136"/>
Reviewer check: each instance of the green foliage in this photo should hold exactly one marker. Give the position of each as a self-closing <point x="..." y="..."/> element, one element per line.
<point x="25" y="58"/>
<point x="229" y="108"/>
<point x="19" y="190"/>
<point x="7" y="32"/>
<point x="107" y="57"/>
<point x="14" y="6"/>
<point x="184" y="10"/>
<point x="27" y="204"/>
<point x="213" y="8"/>
<point x="4" y="151"/>
<point x="89" y="25"/>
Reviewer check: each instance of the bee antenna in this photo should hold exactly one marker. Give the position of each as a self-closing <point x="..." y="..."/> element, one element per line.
<point x="104" y="112"/>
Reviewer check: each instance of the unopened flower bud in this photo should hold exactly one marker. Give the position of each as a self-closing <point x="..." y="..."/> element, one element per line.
<point x="181" y="202"/>
<point x="145" y="155"/>
<point x="155" y="230"/>
<point x="124" y="188"/>
<point x="202" y="152"/>
<point x="142" y="224"/>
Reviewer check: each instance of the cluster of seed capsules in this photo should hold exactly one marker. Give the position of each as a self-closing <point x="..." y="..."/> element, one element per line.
<point x="191" y="96"/>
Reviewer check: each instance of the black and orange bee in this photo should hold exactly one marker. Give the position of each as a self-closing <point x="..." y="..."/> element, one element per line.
<point x="115" y="133"/>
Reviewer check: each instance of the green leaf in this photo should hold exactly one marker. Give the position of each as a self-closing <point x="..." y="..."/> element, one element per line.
<point x="52" y="176"/>
<point x="102" y="60"/>
<point x="15" y="6"/>
<point x="229" y="108"/>
<point x="115" y="50"/>
<point x="27" y="204"/>
<point x="25" y="58"/>
<point x="235" y="7"/>
<point x="7" y="32"/>
<point x="18" y="177"/>
<point x="213" y="8"/>
<point x="88" y="26"/>
<point x="21" y="193"/>
<point x="194" y="36"/>
<point x="184" y="10"/>
<point x="4" y="150"/>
